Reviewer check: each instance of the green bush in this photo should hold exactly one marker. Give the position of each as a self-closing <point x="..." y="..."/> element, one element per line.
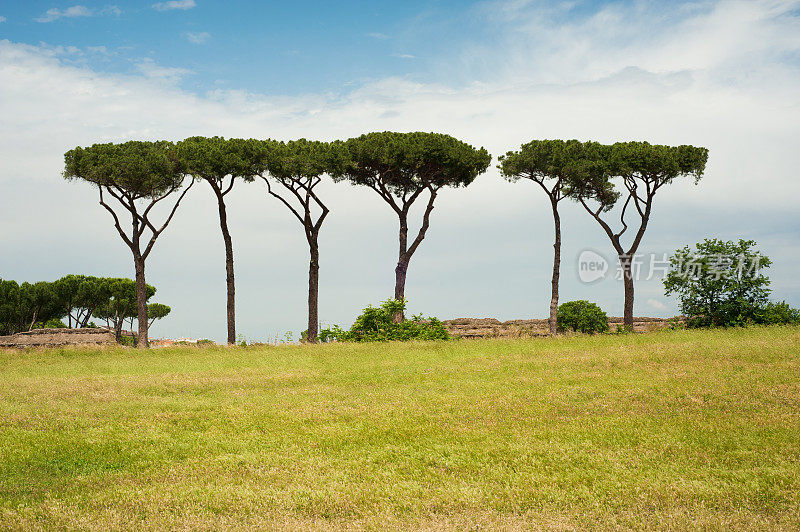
<point x="378" y="325"/>
<point x="777" y="314"/>
<point x="581" y="316"/>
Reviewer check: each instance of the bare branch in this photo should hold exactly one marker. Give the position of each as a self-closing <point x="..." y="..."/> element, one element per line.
<point x="144" y="216"/>
<point x="622" y="216"/>
<point x="116" y="220"/>
<point x="378" y="186"/>
<point x="410" y="201"/>
<point x="166" y="222"/>
<point x="282" y="200"/>
<point x="228" y="189"/>
<point x="596" y="215"/>
<point x="425" y="222"/>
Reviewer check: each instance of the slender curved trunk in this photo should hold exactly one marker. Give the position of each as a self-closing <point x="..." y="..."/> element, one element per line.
<point x="406" y="251"/>
<point x="400" y="272"/>
<point x="229" y="277"/>
<point x="313" y="291"/>
<point x="553" y="322"/>
<point x="401" y="269"/>
<point x="627" y="278"/>
<point x="142" y="341"/>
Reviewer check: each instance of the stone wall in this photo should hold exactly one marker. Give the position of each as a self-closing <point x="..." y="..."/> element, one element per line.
<point x="492" y="328"/>
<point x="58" y="337"/>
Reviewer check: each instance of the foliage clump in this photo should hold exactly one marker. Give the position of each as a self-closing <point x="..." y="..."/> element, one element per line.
<point x="582" y="316"/>
<point x="76" y="299"/>
<point x="722" y="284"/>
<point x="378" y="324"/>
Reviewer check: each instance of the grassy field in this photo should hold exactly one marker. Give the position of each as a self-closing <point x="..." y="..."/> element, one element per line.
<point x="668" y="430"/>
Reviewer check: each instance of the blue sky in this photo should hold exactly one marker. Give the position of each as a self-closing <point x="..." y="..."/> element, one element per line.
<point x="717" y="73"/>
<point x="269" y="47"/>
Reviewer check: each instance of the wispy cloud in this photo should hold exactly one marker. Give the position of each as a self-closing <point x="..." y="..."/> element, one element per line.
<point x="404" y="56"/>
<point x="2" y="19"/>
<point x="71" y="12"/>
<point x="553" y="42"/>
<point x="197" y="38"/>
<point x="102" y="50"/>
<point x="76" y="11"/>
<point x="152" y="70"/>
<point x="378" y="35"/>
<point x="174" y="4"/>
<point x="110" y="10"/>
<point x="656" y="304"/>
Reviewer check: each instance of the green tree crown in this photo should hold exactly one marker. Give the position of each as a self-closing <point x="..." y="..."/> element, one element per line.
<point x="142" y="169"/>
<point x="407" y="161"/>
<point x="216" y="157"/>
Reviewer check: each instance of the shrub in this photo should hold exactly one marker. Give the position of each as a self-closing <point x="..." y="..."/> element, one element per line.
<point x="581" y="316"/>
<point x="376" y="324"/>
<point x="777" y="314"/>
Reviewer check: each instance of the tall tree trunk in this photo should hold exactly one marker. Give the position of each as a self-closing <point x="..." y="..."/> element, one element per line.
<point x="141" y="301"/>
<point x="401" y="269"/>
<point x="625" y="261"/>
<point x="400" y="272"/>
<point x="313" y="290"/>
<point x="229" y="278"/>
<point x="556" y="270"/>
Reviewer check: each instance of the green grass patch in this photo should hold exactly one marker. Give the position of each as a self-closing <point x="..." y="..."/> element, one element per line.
<point x="668" y="430"/>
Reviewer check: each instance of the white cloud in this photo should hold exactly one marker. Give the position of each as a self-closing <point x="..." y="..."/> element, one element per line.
<point x="197" y="38"/>
<point x="3" y="19"/>
<point x="152" y="70"/>
<point x="549" y="43"/>
<point x="174" y="4"/>
<point x="656" y="304"/>
<point x="110" y="10"/>
<point x="77" y="11"/>
<point x="101" y="50"/>
<point x="378" y="35"/>
<point x="71" y="12"/>
<point x="404" y="56"/>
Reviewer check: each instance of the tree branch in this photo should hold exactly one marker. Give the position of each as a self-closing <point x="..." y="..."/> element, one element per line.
<point x="116" y="220"/>
<point x="167" y="221"/>
<point x="604" y="225"/>
<point x="228" y="189"/>
<point x="425" y="222"/>
<point x="282" y="200"/>
<point x="378" y="186"/>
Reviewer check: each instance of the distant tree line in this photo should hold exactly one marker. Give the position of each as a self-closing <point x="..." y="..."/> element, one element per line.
<point x="133" y="178"/>
<point x="72" y="302"/>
